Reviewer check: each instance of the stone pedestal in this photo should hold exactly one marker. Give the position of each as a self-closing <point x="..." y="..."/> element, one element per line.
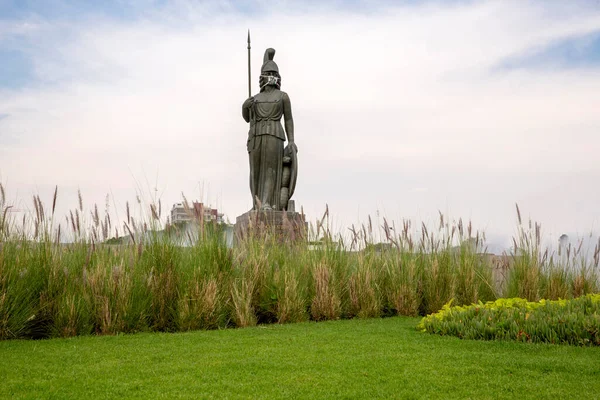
<point x="282" y="226"/>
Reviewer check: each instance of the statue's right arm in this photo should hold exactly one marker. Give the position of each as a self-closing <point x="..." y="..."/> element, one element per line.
<point x="246" y="108"/>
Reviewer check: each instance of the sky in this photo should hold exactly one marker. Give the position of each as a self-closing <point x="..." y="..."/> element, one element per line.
<point x="402" y="109"/>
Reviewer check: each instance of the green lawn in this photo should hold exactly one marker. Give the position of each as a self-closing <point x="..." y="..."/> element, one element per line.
<point x="385" y="358"/>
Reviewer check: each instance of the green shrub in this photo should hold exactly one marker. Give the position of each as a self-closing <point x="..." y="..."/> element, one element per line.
<point x="574" y="321"/>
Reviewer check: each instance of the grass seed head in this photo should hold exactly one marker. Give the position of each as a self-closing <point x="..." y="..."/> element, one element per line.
<point x="54" y="199"/>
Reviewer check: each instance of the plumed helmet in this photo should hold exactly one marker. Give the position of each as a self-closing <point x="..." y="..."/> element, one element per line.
<point x="268" y="63"/>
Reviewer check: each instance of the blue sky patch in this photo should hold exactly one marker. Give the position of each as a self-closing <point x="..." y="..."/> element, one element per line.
<point x="583" y="51"/>
<point x="126" y="9"/>
<point x="64" y="9"/>
<point x="15" y="69"/>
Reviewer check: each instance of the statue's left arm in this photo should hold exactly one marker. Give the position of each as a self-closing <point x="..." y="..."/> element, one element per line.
<point x="288" y="121"/>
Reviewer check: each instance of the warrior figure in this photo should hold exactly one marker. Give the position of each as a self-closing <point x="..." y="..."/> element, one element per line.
<point x="273" y="169"/>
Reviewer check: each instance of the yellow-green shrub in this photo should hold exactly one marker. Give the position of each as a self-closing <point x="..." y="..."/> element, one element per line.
<point x="574" y="321"/>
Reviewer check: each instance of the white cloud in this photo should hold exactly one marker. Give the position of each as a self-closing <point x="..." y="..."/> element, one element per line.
<point x="406" y="97"/>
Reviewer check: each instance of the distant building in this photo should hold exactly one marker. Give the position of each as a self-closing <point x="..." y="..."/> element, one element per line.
<point x="198" y="212"/>
<point x="563" y="244"/>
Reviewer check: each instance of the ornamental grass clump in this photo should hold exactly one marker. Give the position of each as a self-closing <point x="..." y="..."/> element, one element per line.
<point x="326" y="303"/>
<point x="575" y="321"/>
<point x="537" y="273"/>
<point x="92" y="274"/>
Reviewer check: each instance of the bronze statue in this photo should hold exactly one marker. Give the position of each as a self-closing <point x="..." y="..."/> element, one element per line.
<point x="273" y="168"/>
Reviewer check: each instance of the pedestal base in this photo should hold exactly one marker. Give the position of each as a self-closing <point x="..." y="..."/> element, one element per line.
<point x="282" y="226"/>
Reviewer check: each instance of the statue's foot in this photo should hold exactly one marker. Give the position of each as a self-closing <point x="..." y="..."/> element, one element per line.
<point x="266" y="207"/>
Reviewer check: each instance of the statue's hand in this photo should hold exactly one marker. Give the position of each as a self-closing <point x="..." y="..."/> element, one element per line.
<point x="290" y="148"/>
<point x="248" y="103"/>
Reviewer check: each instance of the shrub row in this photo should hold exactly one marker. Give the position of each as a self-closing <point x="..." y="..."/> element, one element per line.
<point x="575" y="321"/>
<point x="163" y="277"/>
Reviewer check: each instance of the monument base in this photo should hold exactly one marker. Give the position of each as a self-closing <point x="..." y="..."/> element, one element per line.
<point x="282" y="226"/>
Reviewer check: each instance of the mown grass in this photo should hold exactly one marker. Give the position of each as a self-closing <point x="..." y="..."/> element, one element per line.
<point x="374" y="358"/>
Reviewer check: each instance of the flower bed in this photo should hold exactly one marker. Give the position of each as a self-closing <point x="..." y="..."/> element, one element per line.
<point x="575" y="321"/>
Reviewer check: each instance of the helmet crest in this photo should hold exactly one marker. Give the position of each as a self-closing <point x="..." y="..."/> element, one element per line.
<point x="268" y="64"/>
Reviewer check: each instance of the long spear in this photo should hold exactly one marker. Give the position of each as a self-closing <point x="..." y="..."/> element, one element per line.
<point x="249" y="74"/>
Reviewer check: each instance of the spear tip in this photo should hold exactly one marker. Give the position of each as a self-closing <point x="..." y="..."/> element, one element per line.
<point x="248" y="35"/>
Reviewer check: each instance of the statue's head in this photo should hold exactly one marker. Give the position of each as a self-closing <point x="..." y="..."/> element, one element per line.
<point x="269" y="73"/>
